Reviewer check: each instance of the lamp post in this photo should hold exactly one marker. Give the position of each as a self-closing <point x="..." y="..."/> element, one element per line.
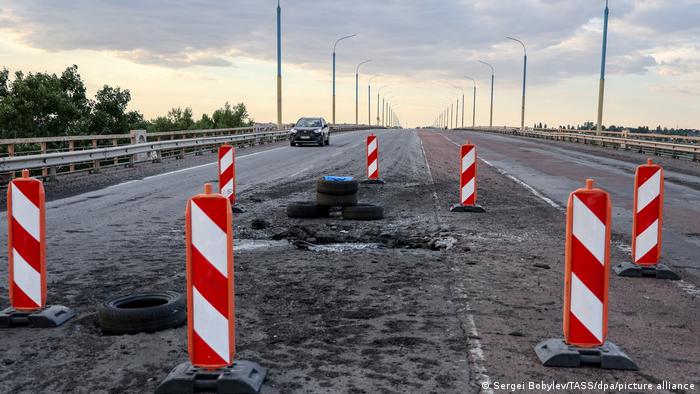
<point x="369" y="101"/>
<point x="357" y="90"/>
<point x="601" y="86"/>
<point x="522" y="113"/>
<point x="279" y="66"/>
<point x="385" y="111"/>
<point x="334" y="48"/>
<point x="457" y="87"/>
<point x="452" y="113"/>
<point x="492" y="78"/>
<point x="473" y="102"/>
<point x="379" y="91"/>
<point x="383" y="107"/>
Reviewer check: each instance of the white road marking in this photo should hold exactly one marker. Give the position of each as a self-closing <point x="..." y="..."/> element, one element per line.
<point x="430" y="175"/>
<point x="687" y="287"/>
<point x="477" y="353"/>
<point x="516" y="180"/>
<point x="209" y="164"/>
<point x="299" y="172"/>
<point x="174" y="172"/>
<point x="473" y="341"/>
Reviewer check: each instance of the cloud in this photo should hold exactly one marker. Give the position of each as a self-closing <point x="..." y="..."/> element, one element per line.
<point x="407" y="38"/>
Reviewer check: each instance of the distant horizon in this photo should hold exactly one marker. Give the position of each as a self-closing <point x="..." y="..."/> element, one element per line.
<point x="174" y="60"/>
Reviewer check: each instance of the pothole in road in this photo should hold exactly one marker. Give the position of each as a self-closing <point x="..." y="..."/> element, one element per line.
<point x="240" y="245"/>
<point x="320" y="239"/>
<point x="338" y="247"/>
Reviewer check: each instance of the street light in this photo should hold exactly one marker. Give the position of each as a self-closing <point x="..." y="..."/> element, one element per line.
<point x="492" y="78"/>
<point x="369" y="101"/>
<point x="378" y="91"/>
<point x="522" y="113"/>
<point x="279" y="66"/>
<point x="385" y="109"/>
<point x="334" y="47"/>
<point x="473" y="102"/>
<point x="357" y="90"/>
<point x="601" y="87"/>
<point x="457" y="87"/>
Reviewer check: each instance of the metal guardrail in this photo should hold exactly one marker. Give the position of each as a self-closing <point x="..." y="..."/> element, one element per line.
<point x="627" y="134"/>
<point x="52" y="163"/>
<point x="680" y="151"/>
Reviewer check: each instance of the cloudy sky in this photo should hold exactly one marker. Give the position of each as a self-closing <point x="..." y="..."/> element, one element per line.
<point x="202" y="53"/>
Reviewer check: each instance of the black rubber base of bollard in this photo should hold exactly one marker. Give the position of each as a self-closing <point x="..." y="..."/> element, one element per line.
<point x="243" y="377"/>
<point x="632" y="270"/>
<point x="556" y="353"/>
<point x="373" y="182"/>
<point x="49" y="317"/>
<point x="467" y="208"/>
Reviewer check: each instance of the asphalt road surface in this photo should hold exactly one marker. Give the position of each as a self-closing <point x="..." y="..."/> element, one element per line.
<point x="424" y="301"/>
<point x="555" y="170"/>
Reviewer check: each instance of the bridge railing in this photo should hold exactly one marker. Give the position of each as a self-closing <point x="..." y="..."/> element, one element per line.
<point x="51" y="156"/>
<point x="632" y="141"/>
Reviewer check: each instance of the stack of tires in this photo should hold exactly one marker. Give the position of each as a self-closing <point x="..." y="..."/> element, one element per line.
<point x="338" y="192"/>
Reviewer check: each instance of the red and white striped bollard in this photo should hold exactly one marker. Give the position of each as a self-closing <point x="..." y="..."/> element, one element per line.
<point x="227" y="175"/>
<point x="26" y="214"/>
<point x="467" y="180"/>
<point x="211" y="304"/>
<point x="586" y="282"/>
<point x="26" y="236"/>
<point x="647" y="220"/>
<point x="372" y="154"/>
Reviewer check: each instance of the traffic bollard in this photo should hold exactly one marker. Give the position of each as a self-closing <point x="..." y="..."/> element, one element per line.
<point x="586" y="282"/>
<point x="26" y="234"/>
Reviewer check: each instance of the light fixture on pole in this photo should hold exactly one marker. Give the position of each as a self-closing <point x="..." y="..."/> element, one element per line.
<point x="369" y="101"/>
<point x="334" y="48"/>
<point x="522" y="113"/>
<point x="601" y="86"/>
<point x="279" y="66"/>
<point x="473" y="102"/>
<point x="357" y="91"/>
<point x="457" y="87"/>
<point x="493" y="72"/>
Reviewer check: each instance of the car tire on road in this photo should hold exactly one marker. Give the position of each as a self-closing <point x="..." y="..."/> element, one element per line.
<point x="334" y="200"/>
<point x="306" y="210"/>
<point x="338" y="188"/>
<point x="363" y="212"/>
<point x="142" y="312"/>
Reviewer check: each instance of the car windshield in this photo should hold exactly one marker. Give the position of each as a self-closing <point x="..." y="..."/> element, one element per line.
<point x="305" y="122"/>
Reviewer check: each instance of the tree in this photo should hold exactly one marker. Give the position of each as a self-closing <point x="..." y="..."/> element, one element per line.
<point x="176" y="119"/>
<point x="181" y="119"/>
<point x="159" y="124"/>
<point x="205" y="122"/>
<point x="47" y="105"/>
<point x="228" y="117"/>
<point x="109" y="115"/>
<point x="42" y="104"/>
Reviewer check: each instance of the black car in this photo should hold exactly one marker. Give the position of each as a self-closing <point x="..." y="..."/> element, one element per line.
<point x="310" y="131"/>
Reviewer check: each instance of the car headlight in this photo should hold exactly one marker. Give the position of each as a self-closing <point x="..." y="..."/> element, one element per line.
<point x="317" y="131"/>
<point x="292" y="131"/>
